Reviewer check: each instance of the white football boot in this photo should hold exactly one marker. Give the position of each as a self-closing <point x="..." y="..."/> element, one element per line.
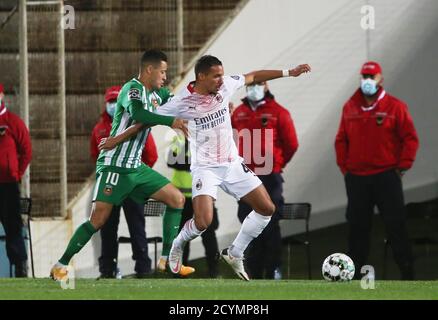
<point x="175" y="258"/>
<point x="235" y="263"/>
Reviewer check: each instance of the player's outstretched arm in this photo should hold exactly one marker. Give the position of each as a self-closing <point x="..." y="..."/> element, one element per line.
<point x="140" y="115"/>
<point x="109" y="143"/>
<point x="265" y="75"/>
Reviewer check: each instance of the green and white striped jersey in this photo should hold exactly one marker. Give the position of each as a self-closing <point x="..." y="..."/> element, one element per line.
<point x="133" y="94"/>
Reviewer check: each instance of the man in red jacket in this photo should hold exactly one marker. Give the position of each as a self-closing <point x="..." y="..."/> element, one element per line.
<point x="134" y="212"/>
<point x="15" y="156"/>
<point x="375" y="145"/>
<point x="267" y="142"/>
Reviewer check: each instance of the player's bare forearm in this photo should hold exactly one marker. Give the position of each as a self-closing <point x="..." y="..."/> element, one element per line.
<point x="130" y="132"/>
<point x="265" y="75"/>
<point x="111" y="142"/>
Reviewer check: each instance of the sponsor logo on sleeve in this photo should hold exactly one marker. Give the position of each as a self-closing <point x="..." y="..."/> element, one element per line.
<point x="235" y="78"/>
<point x="134" y="94"/>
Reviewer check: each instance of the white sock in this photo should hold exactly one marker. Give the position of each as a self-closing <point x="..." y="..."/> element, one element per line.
<point x="187" y="233"/>
<point x="251" y="227"/>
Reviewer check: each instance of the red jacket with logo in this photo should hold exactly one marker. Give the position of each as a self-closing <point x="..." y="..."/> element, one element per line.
<point x="102" y="130"/>
<point x="377" y="140"/>
<point x="15" y="147"/>
<point x="269" y="115"/>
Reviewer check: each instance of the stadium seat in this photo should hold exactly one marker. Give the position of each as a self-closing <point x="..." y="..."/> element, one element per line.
<point x="25" y="209"/>
<point x="298" y="211"/>
<point x="425" y="213"/>
<point x="152" y="208"/>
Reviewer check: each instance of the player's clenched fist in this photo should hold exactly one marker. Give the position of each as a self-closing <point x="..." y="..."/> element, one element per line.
<point x="302" y="68"/>
<point x="181" y="125"/>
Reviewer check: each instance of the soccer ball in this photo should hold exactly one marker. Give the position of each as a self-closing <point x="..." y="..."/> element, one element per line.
<point x="338" y="267"/>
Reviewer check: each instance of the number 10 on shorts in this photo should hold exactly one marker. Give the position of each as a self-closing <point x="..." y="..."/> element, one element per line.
<point x="112" y="178"/>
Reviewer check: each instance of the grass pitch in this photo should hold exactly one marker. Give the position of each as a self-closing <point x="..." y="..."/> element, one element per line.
<point x="222" y="289"/>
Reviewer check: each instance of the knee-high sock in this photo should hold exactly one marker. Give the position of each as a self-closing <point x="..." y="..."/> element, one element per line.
<point x="80" y="238"/>
<point x="171" y="221"/>
<point x="188" y="233"/>
<point x="251" y="227"/>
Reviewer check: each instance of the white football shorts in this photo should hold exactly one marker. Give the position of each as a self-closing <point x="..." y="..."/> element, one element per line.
<point x="235" y="178"/>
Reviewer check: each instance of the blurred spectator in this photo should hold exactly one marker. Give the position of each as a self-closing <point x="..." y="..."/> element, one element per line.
<point x="375" y="145"/>
<point x="259" y="112"/>
<point x="15" y="156"/>
<point x="179" y="160"/>
<point x="134" y="212"/>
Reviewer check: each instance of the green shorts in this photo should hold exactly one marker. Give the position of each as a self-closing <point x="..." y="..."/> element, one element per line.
<point x="114" y="185"/>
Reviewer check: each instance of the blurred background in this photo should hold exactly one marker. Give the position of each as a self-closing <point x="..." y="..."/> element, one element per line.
<point x="62" y="95"/>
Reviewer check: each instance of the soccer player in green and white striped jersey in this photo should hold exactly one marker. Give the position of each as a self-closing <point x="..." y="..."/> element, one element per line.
<point x="128" y="154"/>
<point x="119" y="172"/>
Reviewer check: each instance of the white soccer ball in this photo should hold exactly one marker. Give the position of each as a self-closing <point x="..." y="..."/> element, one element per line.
<point x="338" y="267"/>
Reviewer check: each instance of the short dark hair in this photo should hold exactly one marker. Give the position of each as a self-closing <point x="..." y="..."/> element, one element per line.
<point x="204" y="64"/>
<point x="152" y="56"/>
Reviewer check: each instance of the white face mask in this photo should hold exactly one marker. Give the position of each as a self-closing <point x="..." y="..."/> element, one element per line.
<point x="255" y="92"/>
<point x="369" y="86"/>
<point x="111" y="108"/>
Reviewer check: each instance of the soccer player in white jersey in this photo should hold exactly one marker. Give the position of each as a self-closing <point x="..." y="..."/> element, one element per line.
<point x="215" y="159"/>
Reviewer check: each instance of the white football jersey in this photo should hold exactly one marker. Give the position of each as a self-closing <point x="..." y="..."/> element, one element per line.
<point x="210" y="132"/>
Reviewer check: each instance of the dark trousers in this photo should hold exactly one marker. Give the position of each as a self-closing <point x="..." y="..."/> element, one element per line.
<point x="10" y="217"/>
<point x="208" y="239"/>
<point x="385" y="191"/>
<point x="263" y="254"/>
<point x="134" y="214"/>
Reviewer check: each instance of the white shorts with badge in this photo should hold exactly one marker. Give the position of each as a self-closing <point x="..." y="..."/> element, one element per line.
<point x="235" y="178"/>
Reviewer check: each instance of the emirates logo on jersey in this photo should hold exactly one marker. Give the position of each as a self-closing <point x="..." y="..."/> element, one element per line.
<point x="199" y="184"/>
